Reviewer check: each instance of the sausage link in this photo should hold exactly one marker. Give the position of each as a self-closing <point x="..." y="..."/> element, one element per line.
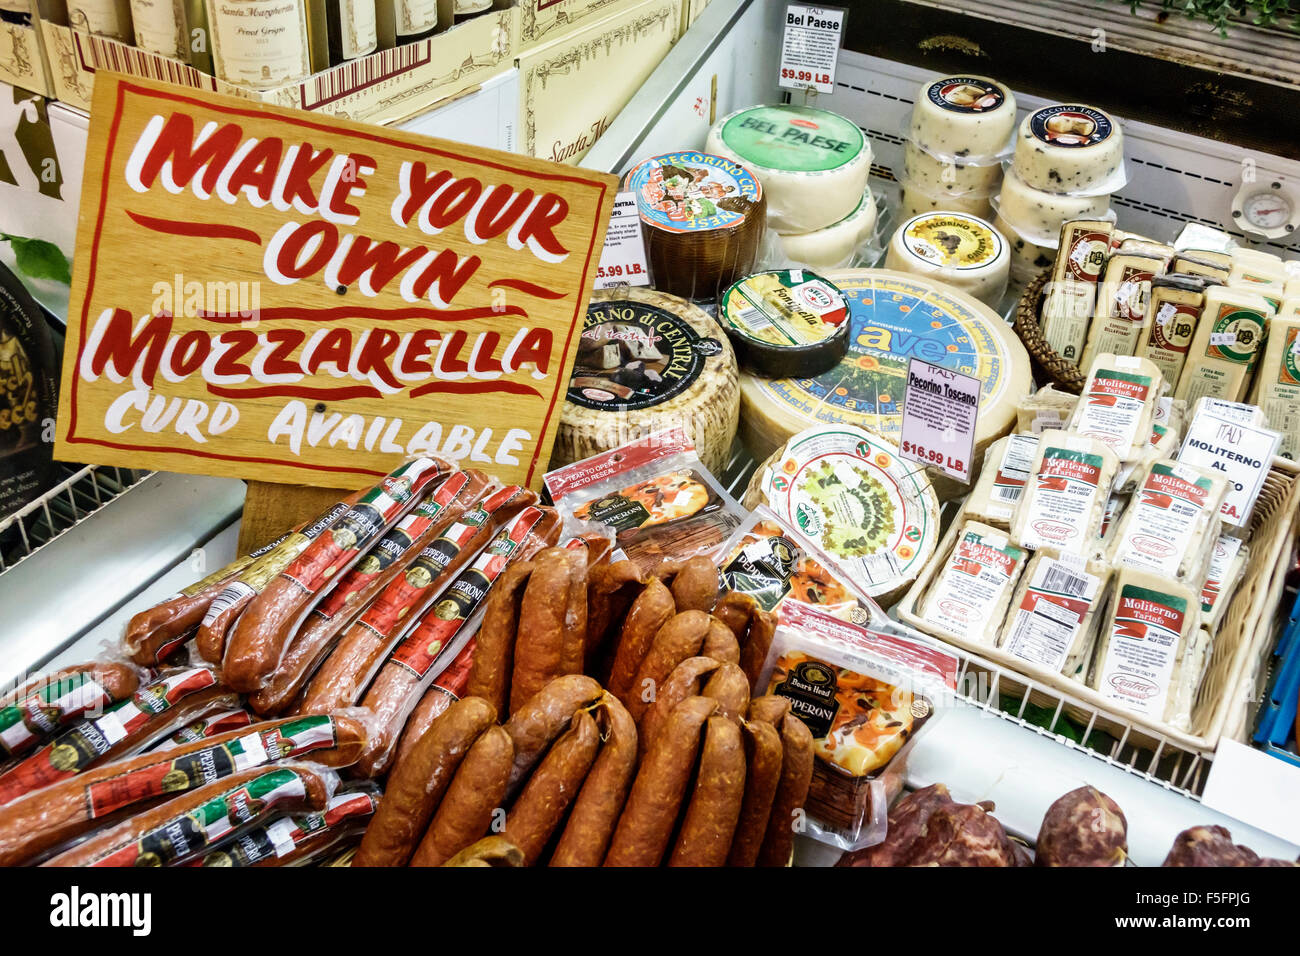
<point x="646" y="824"/>
<point x="573" y="654"/>
<point x="736" y="610"/>
<point x="32" y="712"/>
<point x="720" y="643"/>
<point x="651" y="610"/>
<point x="489" y="677"/>
<point x="715" y="803"/>
<point x="39" y="821"/>
<point x="770" y="708"/>
<point x="183" y="828"/>
<point x="730" y="689"/>
<point x="680" y="638"/>
<point x="609" y="595"/>
<point x="539" y="644"/>
<point x="418" y="783"/>
<point x="552" y="787"/>
<point x="474" y="796"/>
<point x="753" y="654"/>
<point x="695" y="586"/>
<point x="763" y="756"/>
<point x="544" y="717"/>
<point x="489" y="851"/>
<point x="591" y="822"/>
<point x="791" y="792"/>
<point x="445" y="691"/>
<point x="684" y="681"/>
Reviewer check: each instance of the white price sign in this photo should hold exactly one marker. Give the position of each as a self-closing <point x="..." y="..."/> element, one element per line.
<point x="939" y="411"/>
<point x="1240" y="452"/>
<point x="811" y="46"/>
<point x="622" y="261"/>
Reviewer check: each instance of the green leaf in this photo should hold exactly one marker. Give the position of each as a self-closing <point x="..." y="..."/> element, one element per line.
<point x="39" y="259"/>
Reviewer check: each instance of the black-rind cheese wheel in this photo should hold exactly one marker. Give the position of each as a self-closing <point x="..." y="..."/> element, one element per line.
<point x="787" y="323"/>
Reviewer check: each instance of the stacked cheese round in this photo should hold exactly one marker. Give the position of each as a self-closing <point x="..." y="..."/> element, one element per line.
<point x="1028" y="258"/>
<point x="1038" y="215"/>
<point x="647" y="361"/>
<point x="965" y="252"/>
<point x="1070" y="148"/>
<point x="834" y="246"/>
<point x="940" y="176"/>
<point x="914" y="200"/>
<point x="894" y="317"/>
<point x="813" y="163"/>
<point x="702" y="219"/>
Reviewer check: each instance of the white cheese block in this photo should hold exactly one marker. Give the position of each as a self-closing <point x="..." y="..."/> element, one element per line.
<point x="1081" y="252"/>
<point x="1189" y="672"/>
<point x="1226" y="346"/>
<point x="1272" y="286"/>
<point x="1172" y="521"/>
<point x="868" y="509"/>
<point x="915" y="200"/>
<point x="1039" y="215"/>
<point x="1175" y="308"/>
<point x="813" y="163"/>
<point x="1118" y="403"/>
<point x="1197" y="263"/>
<point x="1277" y="383"/>
<point x="1046" y="409"/>
<point x="893" y="317"/>
<point x="1290" y="306"/>
<point x="1002" y="480"/>
<point x="1228" y="560"/>
<point x="1144" y="639"/>
<point x="964" y="252"/>
<point x="1065" y="499"/>
<point x="687" y="377"/>
<point x="835" y="246"/>
<point x="965" y="117"/>
<point x="1028" y="258"/>
<point x="970" y="597"/>
<point x="1070" y="148"/>
<point x="1123" y="306"/>
<point x="1055" y="612"/>
<point x="949" y="176"/>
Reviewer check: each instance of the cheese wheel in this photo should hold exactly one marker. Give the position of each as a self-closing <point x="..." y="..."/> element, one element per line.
<point x="1070" y="148"/>
<point x="963" y="116"/>
<point x="938" y="175"/>
<point x="786" y="322"/>
<point x="872" y="512"/>
<point x="813" y="163"/>
<point x="893" y="317"/>
<point x="1028" y="258"/>
<point x="702" y="219"/>
<point x="1039" y="215"/>
<point x="835" y="246"/>
<point x="965" y="252"/>
<point x="647" y="361"/>
<point x="915" y="200"/>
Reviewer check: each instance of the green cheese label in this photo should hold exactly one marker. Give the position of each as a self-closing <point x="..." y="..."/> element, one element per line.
<point x="795" y="138"/>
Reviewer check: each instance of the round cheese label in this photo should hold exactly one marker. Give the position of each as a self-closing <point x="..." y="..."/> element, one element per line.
<point x="795" y="138"/>
<point x="1173" y="327"/>
<point x="786" y="307"/>
<point x="955" y="242"/>
<point x="693" y="192"/>
<point x="1072" y="126"/>
<point x="965" y="94"/>
<point x="632" y="355"/>
<point x="1087" y="256"/>
<point x="848" y="491"/>
<point x="894" y="317"/>
<point x="1236" y="334"/>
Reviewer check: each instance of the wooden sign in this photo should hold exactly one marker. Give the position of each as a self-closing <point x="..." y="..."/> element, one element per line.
<point x="275" y="295"/>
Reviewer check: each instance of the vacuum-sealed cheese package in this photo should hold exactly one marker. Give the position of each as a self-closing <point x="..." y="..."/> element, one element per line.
<point x="1002" y="480"/>
<point x="969" y="598"/>
<point x="1054" y="614"/>
<point x="1173" y="519"/>
<point x="1065" y="500"/>
<point x="865" y="696"/>
<point x="1228" y="560"/>
<point x="1118" y="403"/>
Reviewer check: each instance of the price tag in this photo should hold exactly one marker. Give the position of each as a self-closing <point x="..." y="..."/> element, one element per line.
<point x="622" y="261"/>
<point x="811" y="46"/>
<point x="1240" y="452"/>
<point x="939" y="411"/>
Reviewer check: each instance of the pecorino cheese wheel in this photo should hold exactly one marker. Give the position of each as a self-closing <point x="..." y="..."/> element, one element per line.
<point x="965" y="252"/>
<point x="813" y="163"/>
<point x="647" y="361"/>
<point x="702" y="218"/>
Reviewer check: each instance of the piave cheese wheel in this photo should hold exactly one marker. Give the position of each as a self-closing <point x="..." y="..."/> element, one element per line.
<point x="647" y="361"/>
<point x="812" y="163"/>
<point x="894" y="317"/>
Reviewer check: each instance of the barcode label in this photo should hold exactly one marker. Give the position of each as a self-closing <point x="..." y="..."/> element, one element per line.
<point x="1064" y="581"/>
<point x="880" y="566"/>
<point x="100" y="54"/>
<point x="230" y="595"/>
<point x="754" y="319"/>
<point x="1008" y="493"/>
<point x="355" y="75"/>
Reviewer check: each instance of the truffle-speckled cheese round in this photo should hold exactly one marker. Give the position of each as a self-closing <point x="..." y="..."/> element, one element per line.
<point x="916" y="200"/>
<point x="1038" y="215"/>
<point x="647" y="361"/>
<point x="1068" y="148"/>
<point x="967" y="116"/>
<point x="945" y="177"/>
<point x="893" y="317"/>
<point x="1028" y="258"/>
<point x="834" y="246"/>
<point x="965" y="252"/>
<point x="848" y="491"/>
<point x="812" y="163"/>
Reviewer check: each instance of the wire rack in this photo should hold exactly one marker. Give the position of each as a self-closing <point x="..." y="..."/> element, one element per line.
<point x="81" y="492"/>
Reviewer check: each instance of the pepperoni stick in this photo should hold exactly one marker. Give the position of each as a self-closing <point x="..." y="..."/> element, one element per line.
<point x="544" y="717"/>
<point x="685" y="681"/>
<point x="720" y="644"/>
<point x="539" y="642"/>
<point x="494" y="658"/>
<point x="680" y="638"/>
<point x="442" y="693"/>
<point x="729" y="688"/>
<point x="474" y="796"/>
<point x="715" y="803"/>
<point x="695" y="585"/>
<point x="758" y="642"/>
<point x="38" y="708"/>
